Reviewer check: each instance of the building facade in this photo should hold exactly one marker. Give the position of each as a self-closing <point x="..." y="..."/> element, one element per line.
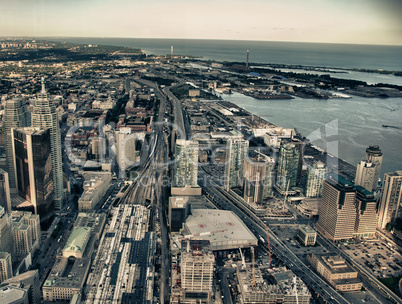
<point x="315" y="179"/>
<point x="6" y="234"/>
<point x="258" y="178"/>
<point x="288" y="165"/>
<point x="366" y="215"/>
<point x="337" y="213"/>
<point x="179" y="210"/>
<point x="22" y="239"/>
<point x="44" y="116"/>
<point x="31" y="220"/>
<point x="127" y="154"/>
<point x="185" y="163"/>
<point x="390" y="200"/>
<point x="366" y="175"/>
<point x="16" y="115"/>
<point x="5" y="197"/>
<point x="307" y="235"/>
<point x="374" y="155"/>
<point x="336" y="271"/>
<point x="197" y="270"/>
<point x="6" y="270"/>
<point x="236" y="152"/>
<point x="33" y="167"/>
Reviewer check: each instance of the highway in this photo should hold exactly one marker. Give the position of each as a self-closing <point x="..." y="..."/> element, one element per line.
<point x="181" y="128"/>
<point x="229" y="202"/>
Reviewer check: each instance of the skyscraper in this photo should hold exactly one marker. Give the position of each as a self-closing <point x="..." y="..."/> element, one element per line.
<point x="126" y="149"/>
<point x="366" y="216"/>
<point x="44" y="116"/>
<point x="366" y="175"/>
<point x="390" y="201"/>
<point x="236" y="151"/>
<point x="16" y="115"/>
<point x="315" y="179"/>
<point x="374" y="155"/>
<point x="6" y="270"/>
<point x="288" y="165"/>
<point x="6" y="234"/>
<point x="33" y="223"/>
<point x="337" y="213"/>
<point x="258" y="178"/>
<point x="33" y="167"/>
<point x="5" y="198"/>
<point x="197" y="269"/>
<point x="186" y="163"/>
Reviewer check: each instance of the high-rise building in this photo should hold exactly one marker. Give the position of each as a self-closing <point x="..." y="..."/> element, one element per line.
<point x="16" y="115"/>
<point x="186" y="163"/>
<point x="366" y="175"/>
<point x="33" y="167"/>
<point x="366" y="216"/>
<point x="374" y="155"/>
<point x="127" y="153"/>
<point x="390" y="201"/>
<point x="337" y="213"/>
<point x="98" y="148"/>
<point x="6" y="234"/>
<point x="315" y="179"/>
<point x="5" y="197"/>
<point x="22" y="238"/>
<point x="258" y="178"/>
<point x="44" y="116"/>
<point x="236" y="152"/>
<point x="288" y="166"/>
<point x="32" y="220"/>
<point x="6" y="270"/>
<point x="197" y="269"/>
<point x="179" y="210"/>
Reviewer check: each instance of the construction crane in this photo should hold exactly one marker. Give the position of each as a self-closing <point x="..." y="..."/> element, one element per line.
<point x="252" y="251"/>
<point x="243" y="262"/>
<point x="269" y="248"/>
<point x="286" y="195"/>
<point x="295" y="289"/>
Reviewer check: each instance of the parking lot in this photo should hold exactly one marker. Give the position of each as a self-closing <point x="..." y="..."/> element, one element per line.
<point x="381" y="258"/>
<point x="287" y="233"/>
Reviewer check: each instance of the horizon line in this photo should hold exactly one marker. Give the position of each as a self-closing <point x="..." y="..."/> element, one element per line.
<point x="172" y="38"/>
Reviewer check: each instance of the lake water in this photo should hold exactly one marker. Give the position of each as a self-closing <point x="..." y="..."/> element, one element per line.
<point x="359" y="123"/>
<point x="359" y="119"/>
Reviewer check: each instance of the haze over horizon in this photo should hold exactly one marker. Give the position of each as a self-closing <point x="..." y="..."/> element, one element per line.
<point x="322" y="21"/>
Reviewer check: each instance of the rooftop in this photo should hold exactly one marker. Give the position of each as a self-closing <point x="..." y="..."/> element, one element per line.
<point x="3" y="255"/>
<point x="307" y="229"/>
<point x="364" y="191"/>
<point x="335" y="264"/>
<point x="11" y="294"/>
<point x="220" y="228"/>
<point x="78" y="239"/>
<point x="334" y="178"/>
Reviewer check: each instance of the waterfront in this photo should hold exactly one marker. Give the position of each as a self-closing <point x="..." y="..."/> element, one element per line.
<point x="292" y="53"/>
<point x="359" y="119"/>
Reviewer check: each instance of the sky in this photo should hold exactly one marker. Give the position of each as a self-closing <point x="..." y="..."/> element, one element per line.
<point x="331" y="21"/>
